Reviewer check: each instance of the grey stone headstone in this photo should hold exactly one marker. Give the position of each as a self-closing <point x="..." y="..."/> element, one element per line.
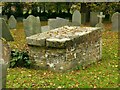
<point x="5" y="17"/>
<point x="116" y="22"/>
<point x="12" y="22"/>
<point x="45" y="28"/>
<point x="52" y="23"/>
<point x="58" y="22"/>
<point x="62" y="21"/>
<point x="76" y="17"/>
<point x="4" y="62"/>
<point x="31" y="25"/>
<point x="83" y="18"/>
<point x="93" y="18"/>
<point x="4" y="30"/>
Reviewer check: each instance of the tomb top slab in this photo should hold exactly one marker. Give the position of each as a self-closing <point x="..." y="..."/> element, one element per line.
<point x="60" y="37"/>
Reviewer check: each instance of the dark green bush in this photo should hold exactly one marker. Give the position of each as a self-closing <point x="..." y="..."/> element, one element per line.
<point x="20" y="59"/>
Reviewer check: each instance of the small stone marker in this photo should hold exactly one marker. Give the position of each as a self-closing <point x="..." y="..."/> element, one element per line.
<point x="93" y="18"/>
<point x="76" y="18"/>
<point x="4" y="30"/>
<point x="116" y="22"/>
<point x="12" y="22"/>
<point x="31" y="25"/>
<point x="100" y="24"/>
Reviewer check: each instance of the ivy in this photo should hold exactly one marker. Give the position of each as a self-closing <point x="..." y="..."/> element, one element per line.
<point x="20" y="59"/>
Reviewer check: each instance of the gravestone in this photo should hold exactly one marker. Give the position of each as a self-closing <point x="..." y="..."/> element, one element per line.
<point x="31" y="25"/>
<point x="45" y="29"/>
<point x="12" y="22"/>
<point x="83" y="18"/>
<point x="93" y="18"/>
<point x="5" y="17"/>
<point x="58" y="22"/>
<point x="100" y="24"/>
<point x="76" y="18"/>
<point x="116" y="22"/>
<point x="4" y="30"/>
<point x="4" y="62"/>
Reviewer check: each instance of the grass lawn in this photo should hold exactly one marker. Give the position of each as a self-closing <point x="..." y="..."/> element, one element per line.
<point x="102" y="74"/>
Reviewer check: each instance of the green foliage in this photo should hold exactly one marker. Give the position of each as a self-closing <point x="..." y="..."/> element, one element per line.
<point x="106" y="7"/>
<point x="19" y="59"/>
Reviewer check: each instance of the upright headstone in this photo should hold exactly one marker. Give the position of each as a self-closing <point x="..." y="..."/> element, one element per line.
<point x="93" y="18"/>
<point x="4" y="62"/>
<point x="116" y="22"/>
<point x="62" y="21"/>
<point x="12" y="22"/>
<point x="5" y="17"/>
<point x="58" y="22"/>
<point x="31" y="25"/>
<point x="4" y="30"/>
<point x="100" y="24"/>
<point x="76" y="17"/>
<point x="83" y="18"/>
<point x="52" y="23"/>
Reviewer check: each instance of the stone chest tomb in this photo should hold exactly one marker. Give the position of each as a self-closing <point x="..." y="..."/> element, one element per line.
<point x="66" y="47"/>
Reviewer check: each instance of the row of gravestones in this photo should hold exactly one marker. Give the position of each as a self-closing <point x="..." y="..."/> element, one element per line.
<point x="12" y="22"/>
<point x="32" y="24"/>
<point x="58" y="22"/>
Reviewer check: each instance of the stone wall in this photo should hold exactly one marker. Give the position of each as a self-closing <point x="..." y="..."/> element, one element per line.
<point x="64" y="48"/>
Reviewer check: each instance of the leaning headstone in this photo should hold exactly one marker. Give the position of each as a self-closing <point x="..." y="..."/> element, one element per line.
<point x="4" y="30"/>
<point x="100" y="24"/>
<point x="116" y="22"/>
<point x="93" y="18"/>
<point x="12" y="22"/>
<point x="31" y="25"/>
<point x="76" y="18"/>
<point x="4" y="62"/>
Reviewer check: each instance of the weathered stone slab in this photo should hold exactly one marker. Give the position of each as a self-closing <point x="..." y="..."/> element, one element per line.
<point x="4" y="30"/>
<point x="116" y="22"/>
<point x="12" y="22"/>
<point x="31" y="25"/>
<point x="66" y="47"/>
